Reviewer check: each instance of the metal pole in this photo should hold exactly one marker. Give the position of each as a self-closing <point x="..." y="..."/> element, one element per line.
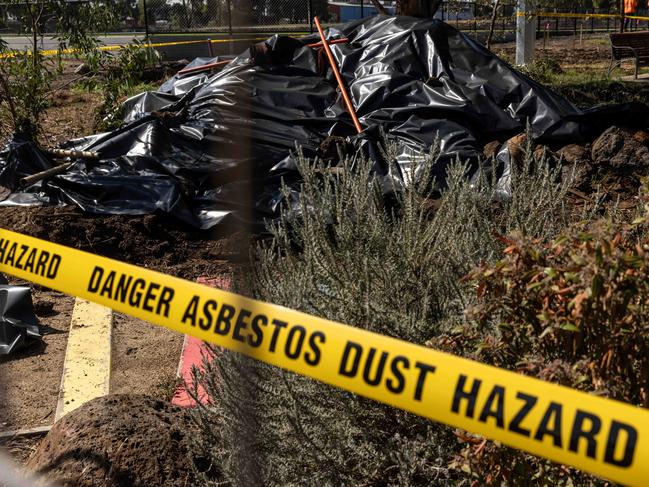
<point x="230" y="18"/>
<point x="525" y="33"/>
<point x="311" y="15"/>
<point x="362" y="9"/>
<point x="146" y="21"/>
<point x="339" y="79"/>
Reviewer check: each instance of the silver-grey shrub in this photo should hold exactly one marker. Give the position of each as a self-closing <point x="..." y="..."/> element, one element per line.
<point x="393" y="266"/>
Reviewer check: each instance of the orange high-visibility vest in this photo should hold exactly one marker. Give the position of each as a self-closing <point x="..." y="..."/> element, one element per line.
<point x="630" y="6"/>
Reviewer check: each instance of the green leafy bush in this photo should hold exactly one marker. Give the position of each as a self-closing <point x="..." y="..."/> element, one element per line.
<point x="26" y="76"/>
<point x="543" y="70"/>
<point x="25" y="81"/>
<point x="572" y="311"/>
<point x="115" y="74"/>
<point x="582" y="299"/>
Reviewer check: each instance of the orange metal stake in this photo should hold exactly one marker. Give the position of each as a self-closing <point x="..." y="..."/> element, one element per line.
<point x="341" y="84"/>
<point x="344" y="40"/>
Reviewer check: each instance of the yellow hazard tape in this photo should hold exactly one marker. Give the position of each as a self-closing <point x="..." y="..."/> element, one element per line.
<point x="116" y="47"/>
<point x="604" y="437"/>
<point x="562" y="15"/>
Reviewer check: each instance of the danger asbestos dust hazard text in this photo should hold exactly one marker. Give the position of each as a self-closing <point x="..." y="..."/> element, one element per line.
<point x="601" y="436"/>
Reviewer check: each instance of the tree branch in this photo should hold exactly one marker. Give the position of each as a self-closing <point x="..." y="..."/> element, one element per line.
<point x="379" y="7"/>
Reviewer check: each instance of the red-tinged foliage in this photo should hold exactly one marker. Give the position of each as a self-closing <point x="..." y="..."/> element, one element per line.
<point x="574" y="311"/>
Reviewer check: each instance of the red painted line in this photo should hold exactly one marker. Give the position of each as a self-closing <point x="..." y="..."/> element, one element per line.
<point x="194" y="351"/>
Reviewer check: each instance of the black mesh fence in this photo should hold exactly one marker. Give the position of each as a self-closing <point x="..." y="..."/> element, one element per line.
<point x="232" y="16"/>
<point x="244" y="16"/>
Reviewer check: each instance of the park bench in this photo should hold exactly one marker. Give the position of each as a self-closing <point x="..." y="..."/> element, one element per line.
<point x="629" y="45"/>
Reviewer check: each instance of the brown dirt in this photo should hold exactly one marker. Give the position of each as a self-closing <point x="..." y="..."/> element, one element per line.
<point x="20" y="449"/>
<point x="31" y="377"/>
<point x="119" y="440"/>
<point x="150" y="241"/>
<point x="71" y="115"/>
<point x="615" y="164"/>
<point x="140" y="363"/>
<point x="145" y="357"/>
<point x="594" y="52"/>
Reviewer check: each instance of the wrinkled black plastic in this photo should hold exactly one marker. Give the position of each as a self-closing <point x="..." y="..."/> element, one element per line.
<point x="208" y="147"/>
<point x="18" y="323"/>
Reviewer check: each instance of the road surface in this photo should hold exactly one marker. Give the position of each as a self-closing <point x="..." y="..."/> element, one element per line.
<point x="47" y="43"/>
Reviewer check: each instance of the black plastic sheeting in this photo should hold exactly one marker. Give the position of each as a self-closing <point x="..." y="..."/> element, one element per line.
<point x="18" y="323"/>
<point x="205" y="148"/>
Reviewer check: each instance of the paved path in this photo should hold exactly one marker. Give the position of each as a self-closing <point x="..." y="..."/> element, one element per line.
<point x="187" y="51"/>
<point x="47" y="43"/>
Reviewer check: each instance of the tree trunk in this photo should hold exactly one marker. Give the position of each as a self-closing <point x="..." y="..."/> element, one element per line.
<point x="379" y="7"/>
<point x="492" y="26"/>
<point x="419" y="8"/>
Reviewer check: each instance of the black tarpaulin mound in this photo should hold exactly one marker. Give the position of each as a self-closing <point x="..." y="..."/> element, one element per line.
<point x="205" y="148"/>
<point x="18" y="323"/>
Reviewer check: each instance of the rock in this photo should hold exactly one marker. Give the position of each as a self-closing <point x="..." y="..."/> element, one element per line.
<point x="491" y="150"/>
<point x="331" y="147"/>
<point x="577" y="175"/>
<point x="619" y="147"/>
<point x="544" y="152"/>
<point x="119" y="440"/>
<point x="574" y="153"/>
<point x="642" y="137"/>
<point x="517" y="146"/>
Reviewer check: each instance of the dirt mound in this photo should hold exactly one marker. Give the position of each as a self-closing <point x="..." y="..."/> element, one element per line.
<point x="614" y="164"/>
<point x="151" y="241"/>
<point x="119" y="440"/>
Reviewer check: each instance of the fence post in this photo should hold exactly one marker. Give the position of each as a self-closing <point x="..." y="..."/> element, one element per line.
<point x="311" y="15"/>
<point x="230" y="19"/>
<point x="146" y="21"/>
<point x="525" y="33"/>
<point x="622" y="16"/>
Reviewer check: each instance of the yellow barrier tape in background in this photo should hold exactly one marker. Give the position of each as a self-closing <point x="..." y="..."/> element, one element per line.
<point x="146" y="45"/>
<point x="601" y="436"/>
<point x="562" y="15"/>
<point x="116" y="47"/>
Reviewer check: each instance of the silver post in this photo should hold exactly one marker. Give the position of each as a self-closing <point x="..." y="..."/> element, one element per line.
<point x="525" y="33"/>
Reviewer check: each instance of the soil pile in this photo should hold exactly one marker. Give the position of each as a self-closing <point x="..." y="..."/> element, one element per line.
<point x="119" y="440"/>
<point x="615" y="163"/>
<point x="151" y="241"/>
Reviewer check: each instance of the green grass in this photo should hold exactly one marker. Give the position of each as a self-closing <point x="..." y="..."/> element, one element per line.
<point x="127" y="92"/>
<point x="139" y="88"/>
